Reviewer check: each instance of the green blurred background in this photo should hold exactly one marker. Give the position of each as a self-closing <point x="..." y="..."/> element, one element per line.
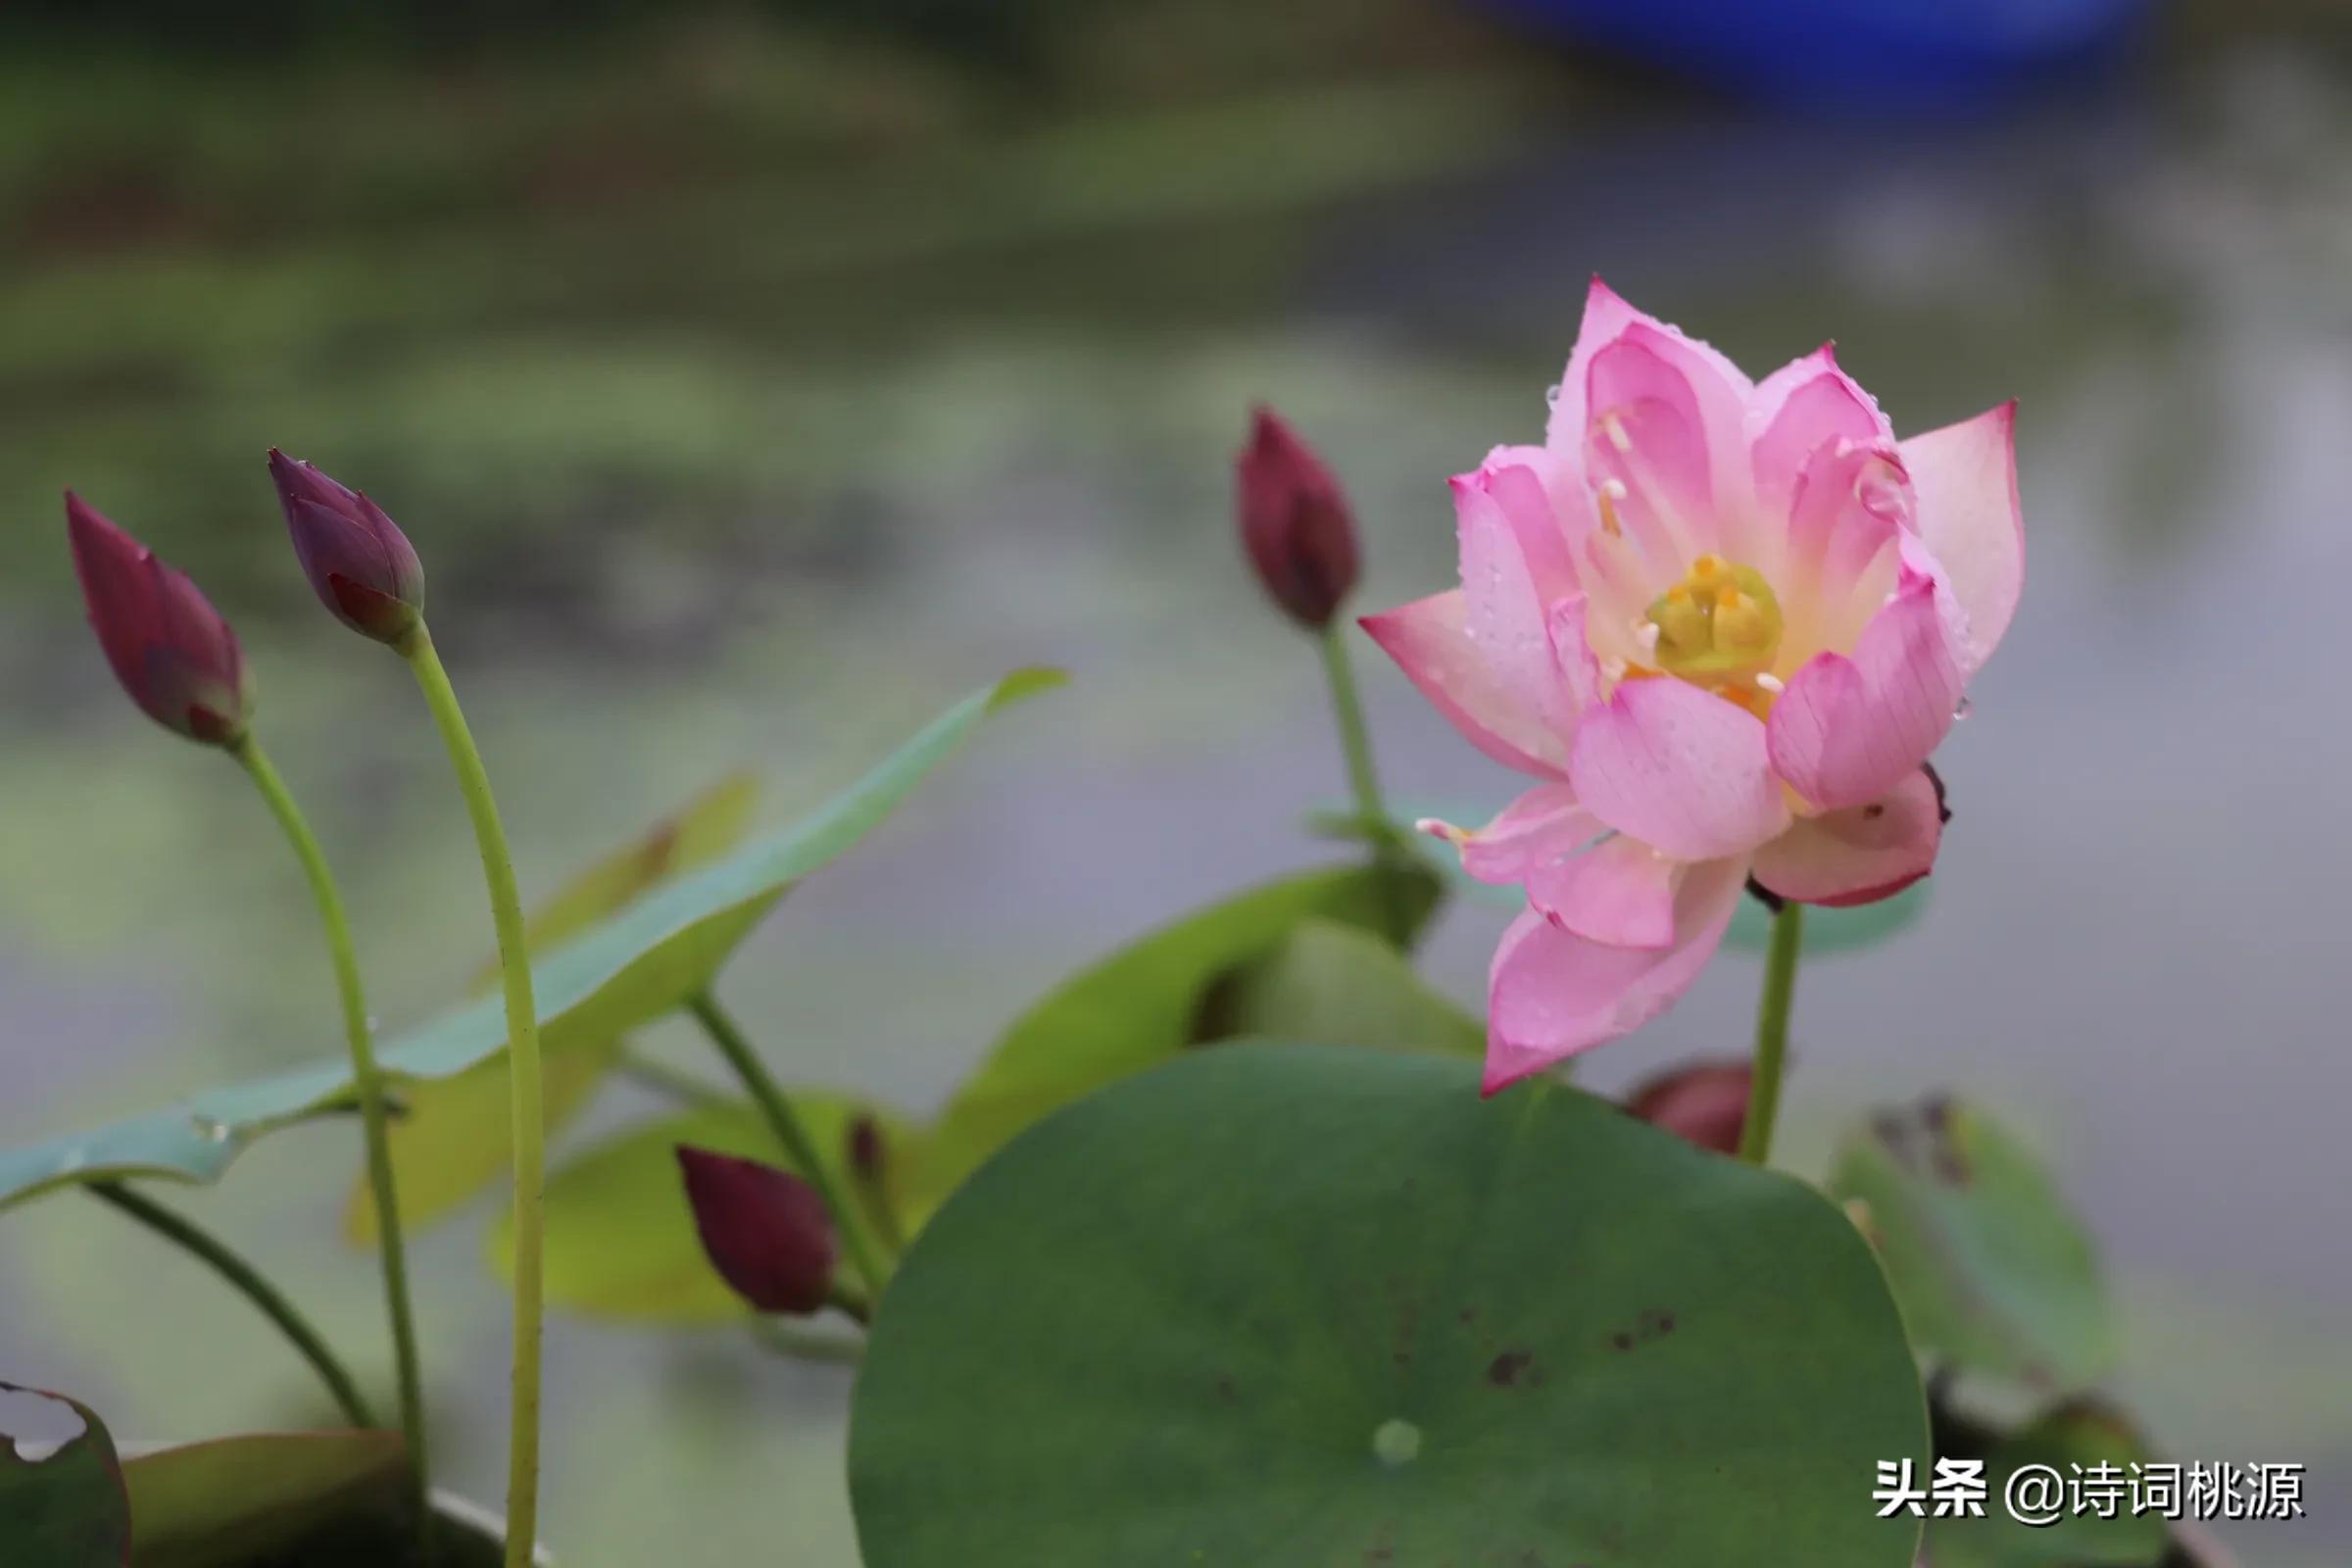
<point x="754" y="381"/>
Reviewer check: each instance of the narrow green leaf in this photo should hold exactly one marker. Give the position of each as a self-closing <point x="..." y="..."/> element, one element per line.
<point x="626" y="970"/>
<point x="620" y="1239"/>
<point x="67" y="1507"/>
<point x="693" y="836"/>
<point x="1142" y="1005"/>
<point x="455" y="1135"/>
<point x="232" y="1500"/>
<point x="1291" y="1304"/>
<point x="1993" y="1272"/>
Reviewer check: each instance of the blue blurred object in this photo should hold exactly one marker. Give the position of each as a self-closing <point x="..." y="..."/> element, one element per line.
<point x="1877" y="55"/>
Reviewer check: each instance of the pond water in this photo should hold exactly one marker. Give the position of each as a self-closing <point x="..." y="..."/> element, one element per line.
<point x="776" y="500"/>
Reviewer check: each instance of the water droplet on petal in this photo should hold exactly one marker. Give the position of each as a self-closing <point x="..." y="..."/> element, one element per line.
<point x="1963" y="711"/>
<point x="1552" y="395"/>
<point x="210" y="1130"/>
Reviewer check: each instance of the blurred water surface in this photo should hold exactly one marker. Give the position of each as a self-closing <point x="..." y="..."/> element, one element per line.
<point x="766" y="469"/>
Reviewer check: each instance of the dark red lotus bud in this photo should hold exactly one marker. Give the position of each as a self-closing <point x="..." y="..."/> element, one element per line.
<point x="360" y="564"/>
<point x="763" y="1229"/>
<point x="1294" y="523"/>
<point x="165" y="643"/>
<point x="1705" y="1104"/>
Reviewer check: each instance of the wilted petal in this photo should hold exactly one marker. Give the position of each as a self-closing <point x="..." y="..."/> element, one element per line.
<point x="1431" y="643"/>
<point x="1857" y="853"/>
<point x="1970" y="517"/>
<point x="1551" y="994"/>
<point x="1679" y="769"/>
<point x="1848" y="731"/>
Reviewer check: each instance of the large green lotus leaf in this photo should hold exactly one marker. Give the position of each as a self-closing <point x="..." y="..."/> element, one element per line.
<point x="1994" y="1272"/>
<point x="620" y="1240"/>
<point x="457" y="1136"/>
<point x="636" y="967"/>
<point x="67" y="1507"/>
<point x="1328" y="983"/>
<point x="233" y="1501"/>
<point x="2072" y="1436"/>
<point x="1325" y="1307"/>
<point x="1145" y="1003"/>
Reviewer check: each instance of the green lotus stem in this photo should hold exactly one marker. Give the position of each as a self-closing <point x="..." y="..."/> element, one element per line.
<point x="249" y="1282"/>
<point x="1772" y="1032"/>
<point x="676" y="1083"/>
<point x="359" y="1034"/>
<point x="1355" y="743"/>
<point x="790" y="1131"/>
<point x="524" y="1092"/>
<point x="1355" y="740"/>
<point x="780" y="1338"/>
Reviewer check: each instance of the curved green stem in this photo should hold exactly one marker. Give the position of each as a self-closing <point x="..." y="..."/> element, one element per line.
<point x="1356" y="739"/>
<point x="1355" y="743"/>
<point x="662" y="1078"/>
<point x="247" y="1280"/>
<point x="1772" y="1032"/>
<point x="523" y="1091"/>
<point x="359" y="1034"/>
<point x="789" y="1130"/>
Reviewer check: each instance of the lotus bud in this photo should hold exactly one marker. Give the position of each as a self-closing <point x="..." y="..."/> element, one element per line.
<point x="360" y="564"/>
<point x="1705" y="1104"/>
<point x="763" y="1229"/>
<point x="1296" y="524"/>
<point x="168" y="646"/>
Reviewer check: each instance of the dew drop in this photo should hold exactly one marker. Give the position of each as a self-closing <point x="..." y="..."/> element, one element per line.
<point x="211" y="1131"/>
<point x="1964" y="710"/>
<point x="1397" y="1442"/>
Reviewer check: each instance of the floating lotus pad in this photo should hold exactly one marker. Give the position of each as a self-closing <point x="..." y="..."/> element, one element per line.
<point x="1317" y="1306"/>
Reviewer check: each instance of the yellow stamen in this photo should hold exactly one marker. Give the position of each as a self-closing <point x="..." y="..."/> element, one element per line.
<point x="1612" y="425"/>
<point x="1719" y="627"/>
<point x="1609" y="491"/>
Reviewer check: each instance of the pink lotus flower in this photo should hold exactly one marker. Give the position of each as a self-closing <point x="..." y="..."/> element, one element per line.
<point x="1723" y="625"/>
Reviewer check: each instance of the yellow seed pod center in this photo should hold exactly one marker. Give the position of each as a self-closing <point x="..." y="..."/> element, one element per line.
<point x="1721" y="622"/>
